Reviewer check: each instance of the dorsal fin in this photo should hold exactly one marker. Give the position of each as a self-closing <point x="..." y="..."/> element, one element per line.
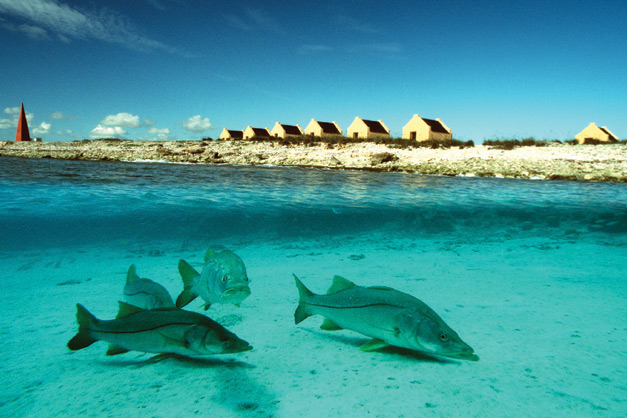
<point x="131" y="276"/>
<point x="339" y="284"/>
<point x="209" y="254"/>
<point x="126" y="309"/>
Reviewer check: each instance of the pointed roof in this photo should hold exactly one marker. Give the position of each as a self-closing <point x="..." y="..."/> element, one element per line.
<point x="436" y="126"/>
<point x="292" y="129"/>
<point x="236" y="134"/>
<point x="22" y="133"/>
<point x="329" y="128"/>
<point x="375" y="126"/>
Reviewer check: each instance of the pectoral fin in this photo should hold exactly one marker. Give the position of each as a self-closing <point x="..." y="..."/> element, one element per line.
<point x="114" y="350"/>
<point x="374" y="344"/>
<point x="329" y="325"/>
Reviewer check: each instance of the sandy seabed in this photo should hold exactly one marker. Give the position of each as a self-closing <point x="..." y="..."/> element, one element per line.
<point x="548" y="322"/>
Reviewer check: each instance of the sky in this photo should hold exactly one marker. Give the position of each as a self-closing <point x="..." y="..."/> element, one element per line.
<point x="178" y="70"/>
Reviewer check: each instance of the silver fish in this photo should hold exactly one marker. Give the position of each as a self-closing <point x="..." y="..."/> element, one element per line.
<point x="144" y="293"/>
<point x="388" y="316"/>
<point x="168" y="330"/>
<point x="223" y="280"/>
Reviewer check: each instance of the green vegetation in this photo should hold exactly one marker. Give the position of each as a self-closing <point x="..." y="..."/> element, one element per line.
<point x="509" y="144"/>
<point x="338" y="140"/>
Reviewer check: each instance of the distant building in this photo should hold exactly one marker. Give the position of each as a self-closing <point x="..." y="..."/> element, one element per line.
<point x="22" y="133"/>
<point x="250" y="133"/>
<point x="321" y="129"/>
<point x="421" y="129"/>
<point x="594" y="132"/>
<point x="362" y="128"/>
<point x="38" y="139"/>
<point x="226" y="134"/>
<point x="281" y="131"/>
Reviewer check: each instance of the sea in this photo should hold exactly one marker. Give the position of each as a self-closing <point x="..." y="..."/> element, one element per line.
<point x="531" y="273"/>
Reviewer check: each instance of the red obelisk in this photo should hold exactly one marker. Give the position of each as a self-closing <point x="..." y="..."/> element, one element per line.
<point x="22" y="127"/>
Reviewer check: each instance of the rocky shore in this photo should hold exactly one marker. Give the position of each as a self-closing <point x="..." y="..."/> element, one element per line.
<point x="554" y="162"/>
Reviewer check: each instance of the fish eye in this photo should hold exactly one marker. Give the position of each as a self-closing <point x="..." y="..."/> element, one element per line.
<point x="443" y="337"/>
<point x="224" y="279"/>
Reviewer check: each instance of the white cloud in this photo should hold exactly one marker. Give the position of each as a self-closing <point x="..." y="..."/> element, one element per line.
<point x="73" y="22"/>
<point x="8" y="123"/>
<point x="42" y="129"/>
<point x="12" y="110"/>
<point x="161" y="133"/>
<point x="33" y="32"/>
<point x="197" y="124"/>
<point x="14" y="113"/>
<point x="122" y="119"/>
<point x="60" y="115"/>
<point x="148" y="122"/>
<point x="107" y="132"/>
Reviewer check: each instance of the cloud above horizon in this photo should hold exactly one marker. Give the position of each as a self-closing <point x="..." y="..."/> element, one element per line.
<point x="122" y="119"/>
<point x="45" y="19"/>
<point x="197" y="124"/>
<point x="101" y="131"/>
<point x="160" y="133"/>
<point x="42" y="129"/>
<point x="14" y="114"/>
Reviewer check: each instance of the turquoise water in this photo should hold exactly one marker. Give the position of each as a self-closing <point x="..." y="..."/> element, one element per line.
<point x="530" y="273"/>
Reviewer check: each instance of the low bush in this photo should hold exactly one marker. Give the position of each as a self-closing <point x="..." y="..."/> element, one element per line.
<point x="338" y="140"/>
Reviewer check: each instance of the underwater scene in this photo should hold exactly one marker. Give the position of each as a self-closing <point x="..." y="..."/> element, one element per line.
<point x="179" y="290"/>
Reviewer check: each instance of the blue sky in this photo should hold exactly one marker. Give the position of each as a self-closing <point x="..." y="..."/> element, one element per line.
<point x="175" y="69"/>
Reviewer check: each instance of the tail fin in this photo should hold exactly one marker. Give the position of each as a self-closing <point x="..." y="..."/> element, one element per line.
<point x="131" y="276"/>
<point x="188" y="274"/>
<point x="82" y="339"/>
<point x="301" y="311"/>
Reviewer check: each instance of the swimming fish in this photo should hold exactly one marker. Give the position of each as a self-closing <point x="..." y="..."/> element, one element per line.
<point x="388" y="316"/>
<point x="223" y="280"/>
<point x="166" y="330"/>
<point x="144" y="293"/>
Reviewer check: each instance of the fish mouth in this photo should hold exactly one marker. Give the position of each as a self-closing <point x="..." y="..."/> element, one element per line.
<point x="462" y="356"/>
<point x="236" y="294"/>
<point x="238" y="349"/>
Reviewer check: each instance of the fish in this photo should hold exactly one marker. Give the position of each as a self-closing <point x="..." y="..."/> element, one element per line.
<point x="163" y="331"/>
<point x="223" y="280"/>
<point x="388" y="316"/>
<point x="144" y="293"/>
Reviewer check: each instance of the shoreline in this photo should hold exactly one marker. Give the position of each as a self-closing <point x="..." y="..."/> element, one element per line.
<point x="598" y="163"/>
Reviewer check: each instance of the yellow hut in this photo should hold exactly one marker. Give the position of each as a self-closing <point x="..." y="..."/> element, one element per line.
<point x="594" y="132"/>
<point x="316" y="128"/>
<point x="228" y="134"/>
<point x="250" y="133"/>
<point x="281" y="131"/>
<point x="421" y="129"/>
<point x="362" y="128"/>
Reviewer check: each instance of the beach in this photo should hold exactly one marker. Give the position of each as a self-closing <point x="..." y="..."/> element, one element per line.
<point x="606" y="163"/>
